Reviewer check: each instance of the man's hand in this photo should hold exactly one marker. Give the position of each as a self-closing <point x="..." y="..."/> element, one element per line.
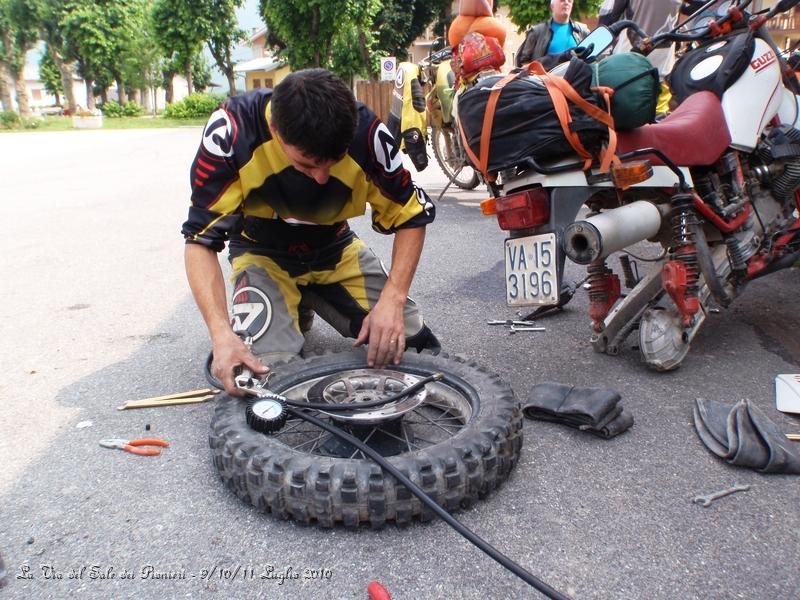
<point x="231" y="352"/>
<point x="383" y="330"/>
<point x="384" y="327"/>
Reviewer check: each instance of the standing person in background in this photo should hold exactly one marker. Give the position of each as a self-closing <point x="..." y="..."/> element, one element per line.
<point x="554" y="36"/>
<point x="654" y="16"/>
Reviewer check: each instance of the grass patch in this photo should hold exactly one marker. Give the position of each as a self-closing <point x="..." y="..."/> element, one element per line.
<point x="65" y="123"/>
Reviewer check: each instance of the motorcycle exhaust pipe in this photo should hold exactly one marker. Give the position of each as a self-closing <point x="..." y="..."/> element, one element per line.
<point x="605" y="233"/>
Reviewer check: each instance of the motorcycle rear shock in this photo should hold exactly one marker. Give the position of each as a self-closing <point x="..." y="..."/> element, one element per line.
<point x="680" y="273"/>
<point x="604" y="291"/>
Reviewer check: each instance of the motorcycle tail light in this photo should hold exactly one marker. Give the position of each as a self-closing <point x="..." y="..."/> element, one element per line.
<point x="524" y="210"/>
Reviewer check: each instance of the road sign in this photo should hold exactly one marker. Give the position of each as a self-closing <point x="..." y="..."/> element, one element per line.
<point x="388" y="68"/>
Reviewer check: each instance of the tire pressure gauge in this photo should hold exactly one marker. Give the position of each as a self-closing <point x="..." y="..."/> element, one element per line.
<point x="266" y="415"/>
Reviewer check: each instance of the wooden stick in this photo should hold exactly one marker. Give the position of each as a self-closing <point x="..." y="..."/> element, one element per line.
<point x="171" y="400"/>
<point x="795" y="437"/>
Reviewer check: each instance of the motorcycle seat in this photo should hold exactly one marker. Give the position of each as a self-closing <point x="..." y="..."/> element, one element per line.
<point x="696" y="133"/>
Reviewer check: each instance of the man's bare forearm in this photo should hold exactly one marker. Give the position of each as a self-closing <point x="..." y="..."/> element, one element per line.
<point x="406" y="253"/>
<point x="208" y="288"/>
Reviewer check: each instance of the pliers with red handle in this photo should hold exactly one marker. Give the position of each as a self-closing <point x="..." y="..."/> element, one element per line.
<point x="132" y="446"/>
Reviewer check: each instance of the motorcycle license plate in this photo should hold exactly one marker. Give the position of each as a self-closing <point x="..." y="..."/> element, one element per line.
<point x="531" y="270"/>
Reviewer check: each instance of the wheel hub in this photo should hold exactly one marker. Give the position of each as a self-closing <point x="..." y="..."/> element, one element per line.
<point x="365" y="385"/>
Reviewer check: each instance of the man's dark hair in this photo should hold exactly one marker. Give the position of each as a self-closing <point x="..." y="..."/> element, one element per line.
<point x="315" y="110"/>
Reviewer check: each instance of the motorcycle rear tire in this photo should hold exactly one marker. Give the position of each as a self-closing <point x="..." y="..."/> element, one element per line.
<point x="443" y="143"/>
<point x="328" y="490"/>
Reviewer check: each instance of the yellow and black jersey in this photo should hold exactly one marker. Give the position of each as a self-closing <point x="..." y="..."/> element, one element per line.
<point x="245" y="190"/>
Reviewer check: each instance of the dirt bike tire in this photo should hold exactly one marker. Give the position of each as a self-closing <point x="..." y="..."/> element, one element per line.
<point x="460" y="181"/>
<point x="328" y="491"/>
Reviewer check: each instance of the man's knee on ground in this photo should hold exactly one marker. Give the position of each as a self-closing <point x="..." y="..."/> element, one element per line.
<point x="424" y="339"/>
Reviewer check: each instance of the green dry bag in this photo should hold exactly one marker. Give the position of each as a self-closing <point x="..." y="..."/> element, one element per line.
<point x="636" y="88"/>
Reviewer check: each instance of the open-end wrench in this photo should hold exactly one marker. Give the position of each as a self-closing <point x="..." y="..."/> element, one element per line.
<point x="707" y="499"/>
<point x="509" y="322"/>
<point x="513" y="329"/>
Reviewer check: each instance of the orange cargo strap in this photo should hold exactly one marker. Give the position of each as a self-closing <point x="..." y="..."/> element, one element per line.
<point x="560" y="91"/>
<point x="482" y="163"/>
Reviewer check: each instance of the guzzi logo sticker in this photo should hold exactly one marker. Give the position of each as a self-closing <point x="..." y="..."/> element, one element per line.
<point x="763" y="61"/>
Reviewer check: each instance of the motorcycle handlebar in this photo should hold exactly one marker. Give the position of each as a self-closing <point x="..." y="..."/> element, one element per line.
<point x="735" y="13"/>
<point x="437" y="57"/>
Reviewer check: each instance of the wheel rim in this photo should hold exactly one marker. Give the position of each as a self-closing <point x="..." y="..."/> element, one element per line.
<point x="453" y="160"/>
<point x="432" y="416"/>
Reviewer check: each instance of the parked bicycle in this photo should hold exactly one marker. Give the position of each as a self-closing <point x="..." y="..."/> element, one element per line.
<point x="438" y="80"/>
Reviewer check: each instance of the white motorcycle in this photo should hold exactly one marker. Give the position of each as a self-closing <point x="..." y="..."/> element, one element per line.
<point x="718" y="189"/>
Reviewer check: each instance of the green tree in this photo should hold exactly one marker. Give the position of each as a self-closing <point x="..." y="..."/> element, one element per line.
<point x="400" y="22"/>
<point x="311" y="29"/>
<point x="99" y="35"/>
<point x="201" y="73"/>
<point x="223" y="34"/>
<point x="51" y="15"/>
<point x="525" y="13"/>
<point x="142" y="69"/>
<point x="180" y="29"/>
<point x="50" y="75"/>
<point x="18" y="33"/>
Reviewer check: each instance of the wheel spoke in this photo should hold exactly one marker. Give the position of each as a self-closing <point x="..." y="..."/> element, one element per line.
<point x="365" y="440"/>
<point x="300" y="445"/>
<point x="276" y="434"/>
<point x="289" y="429"/>
<point x="417" y="437"/>
<point x="405" y="437"/>
<point x="434" y="423"/>
<point x="453" y="418"/>
<point x="391" y="435"/>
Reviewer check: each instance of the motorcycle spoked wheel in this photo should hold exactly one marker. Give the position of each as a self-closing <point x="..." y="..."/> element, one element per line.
<point x="450" y="156"/>
<point x="459" y="444"/>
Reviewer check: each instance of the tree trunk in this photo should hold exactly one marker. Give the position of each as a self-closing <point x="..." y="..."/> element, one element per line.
<point x="90" y="104"/>
<point x="22" y="92"/>
<point x="314" y="34"/>
<point x="154" y="89"/>
<point x="104" y="96"/>
<point x="5" y="88"/>
<point x="122" y="97"/>
<point x="187" y="73"/>
<point x="231" y="81"/>
<point x="170" y="91"/>
<point x="147" y="104"/>
<point x="58" y="99"/>
<point x="66" y="79"/>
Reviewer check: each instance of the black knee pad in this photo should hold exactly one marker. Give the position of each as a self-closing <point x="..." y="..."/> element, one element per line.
<point x="415" y="147"/>
<point x="424" y="340"/>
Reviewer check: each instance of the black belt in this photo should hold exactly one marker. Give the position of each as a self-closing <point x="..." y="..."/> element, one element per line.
<point x="299" y="244"/>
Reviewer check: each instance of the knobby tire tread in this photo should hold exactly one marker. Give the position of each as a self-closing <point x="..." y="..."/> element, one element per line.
<point x="328" y="491"/>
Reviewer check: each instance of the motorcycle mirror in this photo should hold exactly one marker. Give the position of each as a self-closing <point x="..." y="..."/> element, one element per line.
<point x="597" y="41"/>
<point x="784" y="5"/>
<point x="438" y="44"/>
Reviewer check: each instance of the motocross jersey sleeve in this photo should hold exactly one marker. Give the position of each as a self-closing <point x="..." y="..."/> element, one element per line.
<point x="217" y="193"/>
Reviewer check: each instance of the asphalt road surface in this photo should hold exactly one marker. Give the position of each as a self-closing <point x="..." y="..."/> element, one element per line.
<point x="96" y="310"/>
